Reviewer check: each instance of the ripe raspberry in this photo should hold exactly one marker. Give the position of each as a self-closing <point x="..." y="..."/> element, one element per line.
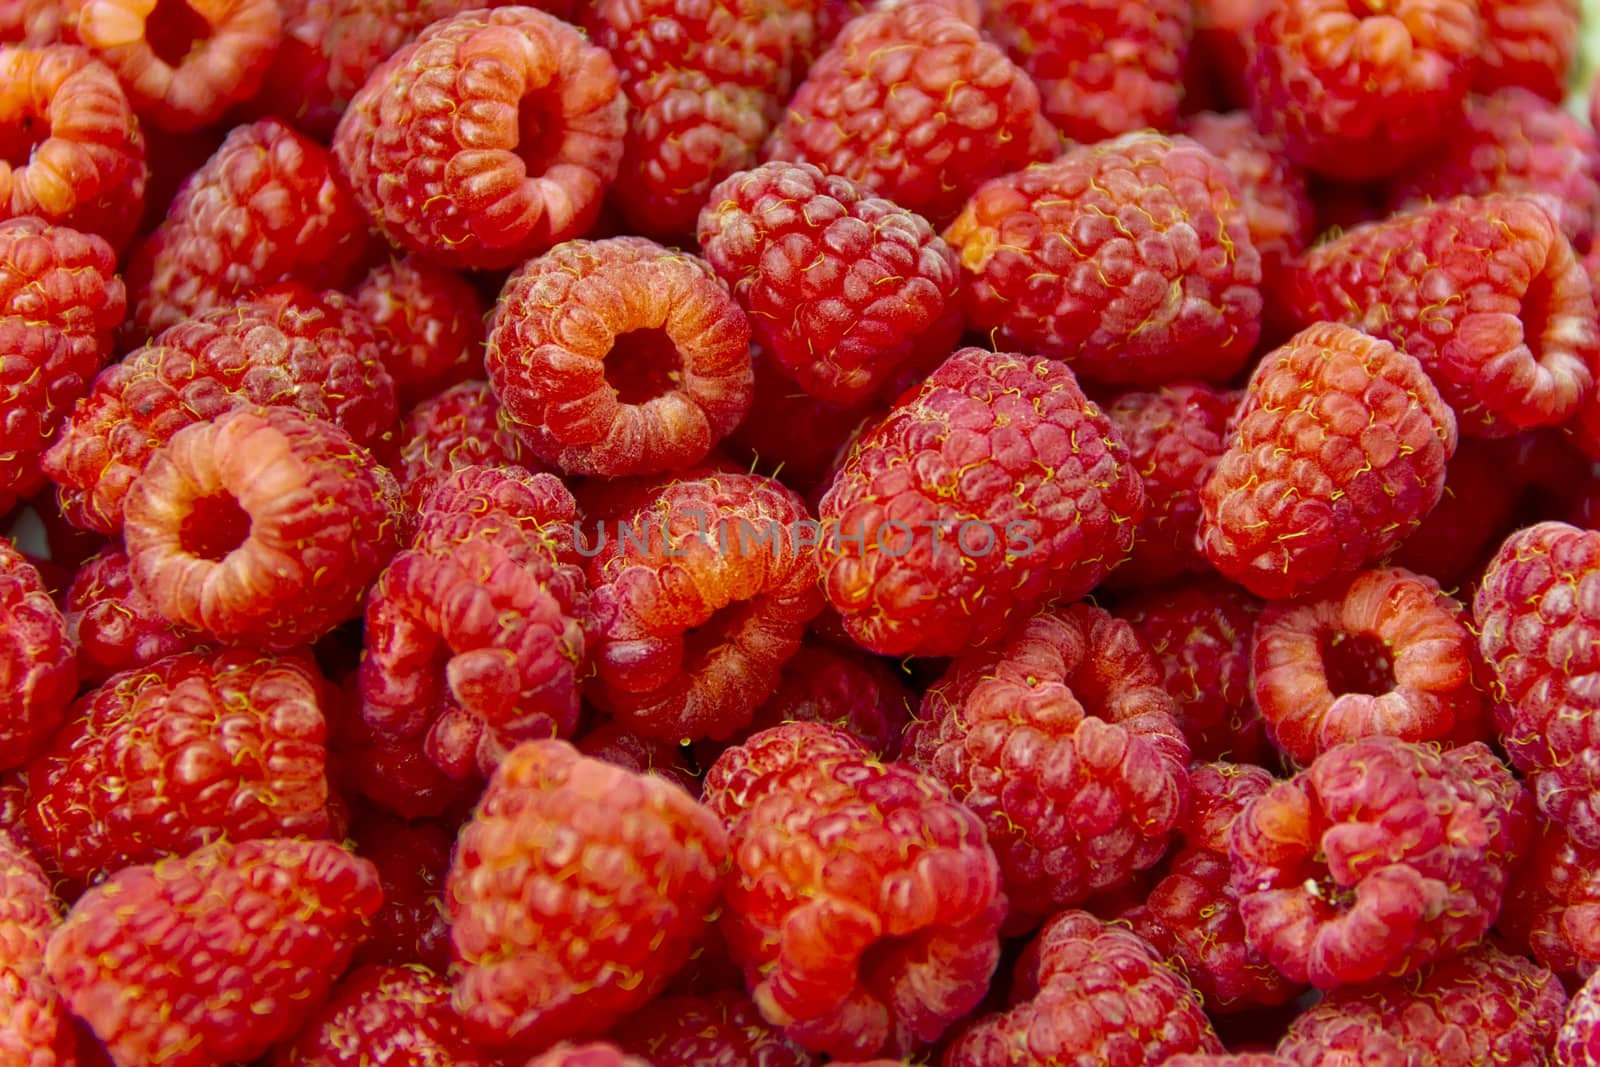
<point x="994" y="488"/>
<point x="38" y="665"/>
<point x="616" y="744"/>
<point x="263" y="526"/>
<point x="912" y="102"/>
<point x="266" y="207"/>
<point x="701" y="591"/>
<point x="1578" y="1042"/>
<point x="1338" y="451"/>
<point x="863" y="904"/>
<point x="593" y="1054"/>
<point x="459" y="427"/>
<point x="1382" y="856"/>
<point x="1485" y="291"/>
<point x="1097" y="991"/>
<point x="843" y="288"/>
<point x="619" y="357"/>
<point x="1552" y="909"/>
<point x="575" y="892"/>
<point x="1539" y="629"/>
<point x="1103" y="67"/>
<point x="394" y="773"/>
<point x="1224" y="1059"/>
<point x="287" y="346"/>
<point x="1063" y="741"/>
<point x="789" y="434"/>
<point x="113" y="625"/>
<point x="1219" y="55"/>
<point x="1527" y="43"/>
<point x="1486" y="1007"/>
<point x="1129" y="259"/>
<point x="182" y="65"/>
<point x="70" y="148"/>
<point x="473" y="635"/>
<point x="1470" y="520"/>
<point x="847" y="688"/>
<point x="384" y="1015"/>
<point x="1358" y="91"/>
<point x="412" y="859"/>
<point x="720" y="1030"/>
<point x="488" y="139"/>
<point x="431" y="325"/>
<point x="38" y="1030"/>
<point x="33" y="22"/>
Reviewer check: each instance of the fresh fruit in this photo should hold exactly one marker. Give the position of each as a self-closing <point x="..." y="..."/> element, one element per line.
<point x="384" y="1015"/>
<point x="721" y="1030"/>
<point x="38" y="1030"/>
<point x="430" y="324"/>
<point x="38" y="664"/>
<point x="113" y="625"/>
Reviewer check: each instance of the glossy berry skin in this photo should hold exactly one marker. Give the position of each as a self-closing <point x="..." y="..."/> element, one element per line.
<point x="38" y="664"/>
<point x="1062" y="739"/>
<point x="624" y="868"/>
<point x="1381" y="857"/>
<point x="470" y="193"/>
<point x="1552" y="909"/>
<point x="1578" y="1042"/>
<point x="995" y="487"/>
<point x="214" y="956"/>
<point x="114" y="626"/>
<point x="38" y="1030"/>
<point x="718" y="1030"/>
<point x="1130" y="259"/>
<point x="1539" y="630"/>
<point x="1338" y="451"/>
<point x="430" y="323"/>
<point x="384" y="1017"/>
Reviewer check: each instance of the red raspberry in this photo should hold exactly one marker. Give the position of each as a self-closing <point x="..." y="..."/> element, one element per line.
<point x="619" y="357"/>
<point x="1219" y="59"/>
<point x="843" y="289"/>
<point x="1552" y="909"/>
<point x="864" y="903"/>
<point x="288" y="346"/>
<point x="1471" y="518"/>
<point x="789" y="434"/>
<point x="182" y="65"/>
<point x="114" y="626"/>
<point x="1224" y="1059"/>
<point x="1358" y="91"/>
<point x="1539" y="629"/>
<point x="1103" y="67"/>
<point x="38" y="1030"/>
<point x="395" y="774"/>
<point x="264" y="526"/>
<point x="473" y="635"/>
<point x="1578" y="1042"/>
<point x="488" y="139"/>
<point x="720" y="1030"/>
<point x="1063" y="741"/>
<point x="593" y="1054"/>
<point x="430" y="322"/>
<point x="993" y="489"/>
<point x="266" y="207"/>
<point x="615" y="743"/>
<point x="384" y="1015"/>
<point x="1130" y="259"/>
<point x="412" y="859"/>
<point x="624" y="869"/>
<point x="912" y="102"/>
<point x="1527" y="43"/>
<point x="34" y="22"/>
<point x="1384" y="653"/>
<point x="1094" y="992"/>
<point x="1384" y="855"/>
<point x="71" y="147"/>
<point x="215" y="956"/>
<point x="1485" y="291"/>
<point x="1338" y="451"/>
<point x="460" y="427"/>
<point x="38" y="665"/>
<point x="1485" y="1007"/>
<point x="701" y="591"/>
<point x="847" y="688"/>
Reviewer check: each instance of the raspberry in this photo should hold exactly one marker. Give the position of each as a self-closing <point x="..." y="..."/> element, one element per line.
<point x="430" y="322"/>
<point x="266" y="207"/>
<point x="1485" y="291"/>
<point x="59" y="301"/>
<point x="70" y="149"/>
<point x="576" y="890"/>
<point x="1223" y="1059"/>
<point x="1200" y="633"/>
<point x="473" y="635"/>
<point x="1219" y="59"/>
<point x="215" y="956"/>
<point x="1338" y="451"/>
<point x="701" y="591"/>
<point x="619" y="357"/>
<point x="1552" y="909"/>
<point x="383" y="1015"/>
<point x="1100" y="994"/>
<point x="789" y="434"/>
<point x="459" y="427"/>
<point x="719" y="1030"/>
<point x="287" y="346"/>
<point x="863" y="904"/>
<point x="1129" y="259"/>
<point x="34" y="22"/>
<point x="38" y="665"/>
<point x="1103" y="67"/>
<point x="593" y="1054"/>
<point x="847" y="688"/>
<point x="1539" y="629"/>
<point x="1471" y="518"/>
<point x="843" y="288"/>
<point x="1063" y="741"/>
<point x="395" y="773"/>
<point x="488" y="139"/>
<point x="114" y="626"/>
<point x="264" y="526"/>
<point x="182" y="65"/>
<point x="1358" y="91"/>
<point x="994" y="488"/>
<point x="1385" y="653"/>
<point x="1527" y="43"/>
<point x="1485" y="1007"/>
<point x="913" y="103"/>
<point x="412" y="859"/>
<point x="1383" y="856"/>
<point x="616" y="744"/>
<point x="1578" y="1042"/>
<point x="38" y="1031"/>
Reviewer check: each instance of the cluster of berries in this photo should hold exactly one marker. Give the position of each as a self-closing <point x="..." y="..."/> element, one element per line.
<point x="645" y="533"/>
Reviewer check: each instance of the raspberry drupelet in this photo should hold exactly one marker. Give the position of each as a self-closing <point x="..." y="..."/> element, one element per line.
<point x="1338" y="452"/>
<point x="114" y="626"/>
<point x="1475" y="513"/>
<point x="384" y="1015"/>
<point x="38" y="663"/>
<point x="845" y="687"/>
<point x="717" y="1030"/>
<point x="463" y="426"/>
<point x="38" y="1031"/>
<point x="412" y="858"/>
<point x="488" y="139"/>
<point x="994" y="488"/>
<point x="1130" y="259"/>
<point x="1578" y="1042"/>
<point x="789" y="434"/>
<point x="1552" y="909"/>
<point x="576" y="890"/>
<point x="589" y="1054"/>
<point x="430" y="323"/>
<point x="1529" y="44"/>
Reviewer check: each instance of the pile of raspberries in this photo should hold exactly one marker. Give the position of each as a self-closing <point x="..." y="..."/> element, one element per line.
<point x="773" y="533"/>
